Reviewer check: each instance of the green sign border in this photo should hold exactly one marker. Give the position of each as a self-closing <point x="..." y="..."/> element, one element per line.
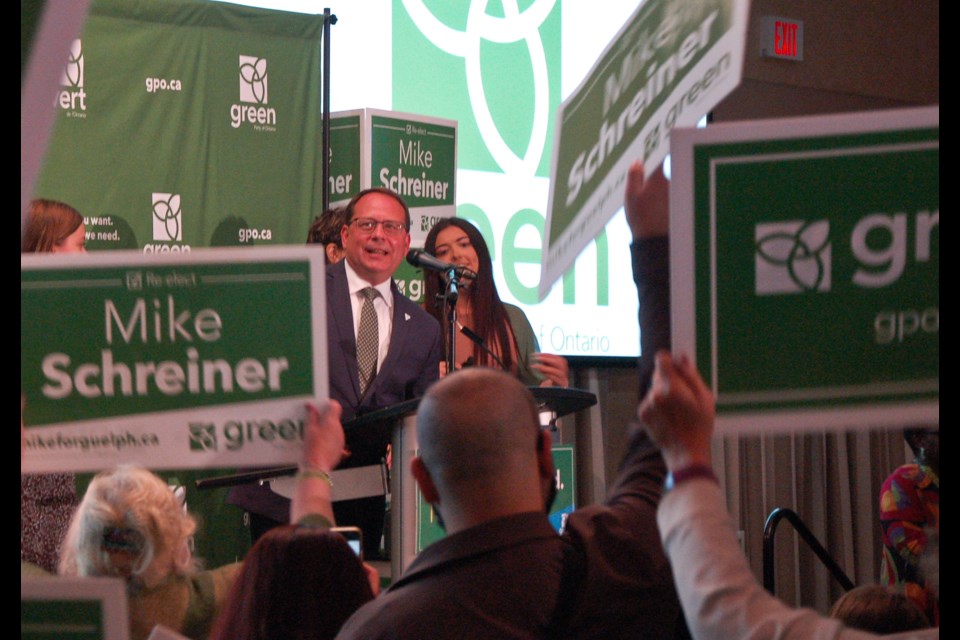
<point x="696" y="156"/>
<point x="262" y="428"/>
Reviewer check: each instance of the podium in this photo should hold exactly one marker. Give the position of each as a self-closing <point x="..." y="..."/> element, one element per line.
<point x="363" y="474"/>
<point x="552" y="403"/>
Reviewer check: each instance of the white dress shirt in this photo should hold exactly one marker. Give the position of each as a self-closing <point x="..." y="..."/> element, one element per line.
<point x="382" y="304"/>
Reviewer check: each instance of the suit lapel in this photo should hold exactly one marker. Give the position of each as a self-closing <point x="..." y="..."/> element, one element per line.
<point x="343" y="347"/>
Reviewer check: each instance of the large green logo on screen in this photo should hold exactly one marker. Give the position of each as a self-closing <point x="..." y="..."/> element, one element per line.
<point x="494" y="67"/>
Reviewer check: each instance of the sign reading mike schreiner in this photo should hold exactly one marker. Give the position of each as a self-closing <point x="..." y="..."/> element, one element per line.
<point x="176" y="361"/>
<point x="671" y="63"/>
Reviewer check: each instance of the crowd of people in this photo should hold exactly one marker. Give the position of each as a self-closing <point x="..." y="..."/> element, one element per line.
<point x="658" y="558"/>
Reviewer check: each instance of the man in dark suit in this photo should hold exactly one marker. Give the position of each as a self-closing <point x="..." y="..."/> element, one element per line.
<point x="375" y="240"/>
<point x="404" y="356"/>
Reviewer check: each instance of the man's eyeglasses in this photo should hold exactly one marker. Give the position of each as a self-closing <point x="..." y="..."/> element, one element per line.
<point x="390" y="227"/>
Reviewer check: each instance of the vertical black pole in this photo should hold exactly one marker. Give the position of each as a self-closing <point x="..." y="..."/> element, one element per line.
<point x="450" y="296"/>
<point x="328" y="19"/>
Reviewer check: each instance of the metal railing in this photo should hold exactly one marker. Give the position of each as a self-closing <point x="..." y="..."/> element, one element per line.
<point x="770" y="530"/>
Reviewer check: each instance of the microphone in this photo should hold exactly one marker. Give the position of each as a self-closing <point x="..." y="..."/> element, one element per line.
<point x="422" y="259"/>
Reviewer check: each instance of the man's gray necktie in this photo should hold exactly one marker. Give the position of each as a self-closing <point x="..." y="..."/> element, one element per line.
<point x="368" y="339"/>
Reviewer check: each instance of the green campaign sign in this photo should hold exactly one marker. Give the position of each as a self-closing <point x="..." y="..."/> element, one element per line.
<point x="189" y="361"/>
<point x="346" y="144"/>
<point x="415" y="158"/>
<point x="70" y="608"/>
<point x="414" y="155"/>
<point x="806" y="268"/>
<point x="668" y="66"/>
<point x="80" y="619"/>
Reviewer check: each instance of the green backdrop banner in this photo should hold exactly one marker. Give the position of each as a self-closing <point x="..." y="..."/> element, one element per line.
<point x="188" y="124"/>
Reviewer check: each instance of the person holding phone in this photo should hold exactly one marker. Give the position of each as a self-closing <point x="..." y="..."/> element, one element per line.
<point x="297" y="581"/>
<point x="303" y="580"/>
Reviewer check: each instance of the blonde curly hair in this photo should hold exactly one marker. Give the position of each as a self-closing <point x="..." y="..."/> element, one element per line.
<point x="129" y="524"/>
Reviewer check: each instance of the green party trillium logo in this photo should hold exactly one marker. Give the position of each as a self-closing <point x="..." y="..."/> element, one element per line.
<point x="253" y="80"/>
<point x="203" y="437"/>
<point x="497" y="75"/>
<point x="254" y="94"/>
<point x="167" y="217"/>
<point x="71" y="97"/>
<point x="72" y="75"/>
<point x="792" y="257"/>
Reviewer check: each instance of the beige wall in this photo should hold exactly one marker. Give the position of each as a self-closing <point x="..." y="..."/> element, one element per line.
<point x="858" y="55"/>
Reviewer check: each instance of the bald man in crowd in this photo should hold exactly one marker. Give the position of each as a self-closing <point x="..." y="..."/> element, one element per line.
<point x="502" y="571"/>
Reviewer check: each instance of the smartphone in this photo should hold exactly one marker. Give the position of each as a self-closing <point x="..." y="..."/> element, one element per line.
<point x="354" y="538"/>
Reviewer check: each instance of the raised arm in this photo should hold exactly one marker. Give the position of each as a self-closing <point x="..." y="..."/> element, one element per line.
<point x="624" y="527"/>
<point x="721" y="597"/>
<point x="323" y="443"/>
<point x="647" y="210"/>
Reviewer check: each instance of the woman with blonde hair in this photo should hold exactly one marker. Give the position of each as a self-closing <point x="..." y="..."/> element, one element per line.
<point x="130" y="524"/>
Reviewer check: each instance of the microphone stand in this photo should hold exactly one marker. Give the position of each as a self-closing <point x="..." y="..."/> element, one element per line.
<point x="550" y="415"/>
<point x="451" y="295"/>
<point x="470" y="333"/>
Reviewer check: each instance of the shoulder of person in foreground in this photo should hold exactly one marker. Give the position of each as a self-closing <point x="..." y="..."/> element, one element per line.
<point x="186" y="604"/>
<point x="31" y="570"/>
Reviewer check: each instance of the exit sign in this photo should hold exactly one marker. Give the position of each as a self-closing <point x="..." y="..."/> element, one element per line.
<point x="781" y="38"/>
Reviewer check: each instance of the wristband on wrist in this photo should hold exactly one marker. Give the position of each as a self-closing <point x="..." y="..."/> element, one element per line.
<point x="688" y="473"/>
<point x="315" y="521"/>
<point x="312" y="472"/>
